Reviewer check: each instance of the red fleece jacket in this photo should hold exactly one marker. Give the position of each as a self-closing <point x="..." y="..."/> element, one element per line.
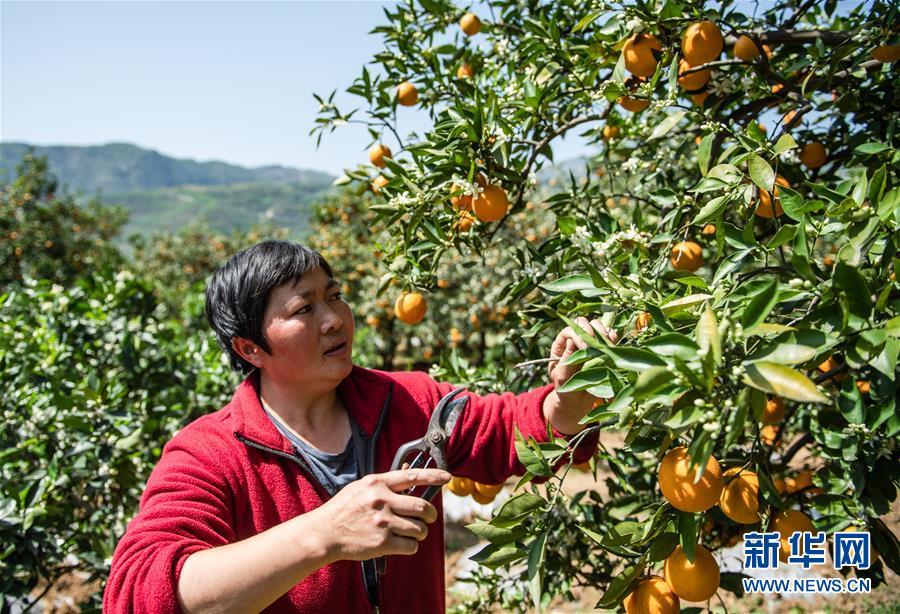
<point x="230" y="475"/>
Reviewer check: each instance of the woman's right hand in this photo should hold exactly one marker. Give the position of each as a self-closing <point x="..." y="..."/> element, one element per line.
<point x="369" y="518"/>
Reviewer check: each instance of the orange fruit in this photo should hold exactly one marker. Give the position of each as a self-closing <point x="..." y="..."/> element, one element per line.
<point x="702" y="42"/>
<point x="740" y="496"/>
<point x="828" y="260"/>
<point x="407" y="94"/>
<point x="768" y="433"/>
<point x="379" y="182"/>
<point x="873" y="554"/>
<point x="813" y="155"/>
<point x="643" y="321"/>
<point x="378" y="153"/>
<point x="462" y="487"/>
<point x="410" y="307"/>
<point x="745" y="49"/>
<point x="470" y="24"/>
<point x="697" y="581"/>
<point x="465" y="222"/>
<point x="640" y="58"/>
<point x="482" y="498"/>
<point x="709" y="229"/>
<point x="787" y="523"/>
<point x="767" y="50"/>
<point x="764" y="207"/>
<point x="700" y="99"/>
<point x="610" y="132"/>
<point x="676" y="481"/>
<point x="488" y="490"/>
<point x="886" y="53"/>
<point x="780" y="485"/>
<point x="693" y="81"/>
<point x="652" y="596"/>
<point x="863" y="386"/>
<point x="686" y="256"/>
<point x="465" y="72"/>
<point x="831" y="363"/>
<point x="491" y="205"/>
<point x="774" y="411"/>
<point x="801" y="481"/>
<point x="443" y="283"/>
<point x="634" y="105"/>
<point x="788" y="118"/>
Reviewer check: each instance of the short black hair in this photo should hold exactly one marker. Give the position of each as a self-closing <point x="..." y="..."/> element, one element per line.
<point x="238" y="291"/>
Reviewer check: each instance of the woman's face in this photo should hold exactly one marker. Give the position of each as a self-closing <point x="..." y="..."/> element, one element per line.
<point x="303" y="322"/>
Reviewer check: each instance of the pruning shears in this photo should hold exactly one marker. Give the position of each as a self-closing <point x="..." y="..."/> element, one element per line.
<point x="430" y="448"/>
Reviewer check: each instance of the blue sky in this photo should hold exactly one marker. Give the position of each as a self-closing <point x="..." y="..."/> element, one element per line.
<point x="229" y="81"/>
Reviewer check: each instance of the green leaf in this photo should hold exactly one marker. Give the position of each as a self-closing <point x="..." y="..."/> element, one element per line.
<point x="634" y="359"/>
<point x="761" y="304"/>
<point x="800" y="254"/>
<point x="853" y="286"/>
<point x="782" y="381"/>
<point x="516" y="508"/>
<point x="570" y="283"/>
<point x="492" y="556"/>
<point x="662" y="546"/>
<point x="785" y="142"/>
<point x="620" y="585"/>
<point x="707" y="334"/>
<point x="711" y="210"/>
<point x="650" y="381"/>
<point x="687" y="533"/>
<point x="667" y="124"/>
<point x="586" y="21"/>
<point x="761" y="173"/>
<point x="786" y="354"/>
<point x="850" y="402"/>
<point x="867" y="149"/>
<point x="675" y="344"/>
<point x="532" y="461"/>
<point x="585" y="378"/>
<point x="535" y="569"/>
<point x="497" y="535"/>
<point x="685" y="303"/>
<point x="703" y="153"/>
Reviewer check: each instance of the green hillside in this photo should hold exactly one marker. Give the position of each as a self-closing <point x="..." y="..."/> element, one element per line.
<point x="122" y="167"/>
<point x="165" y="194"/>
<point x="225" y="208"/>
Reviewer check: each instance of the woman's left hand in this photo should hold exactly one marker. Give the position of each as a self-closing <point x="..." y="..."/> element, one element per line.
<point x="567" y="407"/>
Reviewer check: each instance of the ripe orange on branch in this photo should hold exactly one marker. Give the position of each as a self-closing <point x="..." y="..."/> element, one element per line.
<point x="692" y="81"/>
<point x="633" y="105"/>
<point x="787" y="523"/>
<point x="652" y="596"/>
<point x="740" y="496"/>
<point x="774" y="411"/>
<point x="702" y="42"/>
<point x="410" y="307"/>
<point x="643" y="321"/>
<point x="745" y="49"/>
<point x="676" y="481"/>
<point x="491" y="204"/>
<point x="464" y="71"/>
<point x="407" y="94"/>
<point x="697" y="581"/>
<point x="379" y="182"/>
<point x="886" y="54"/>
<point x="470" y="24"/>
<point x="765" y="206"/>
<point x="642" y="52"/>
<point x="813" y="155"/>
<point x="462" y="487"/>
<point x="686" y="256"/>
<point x="378" y="153"/>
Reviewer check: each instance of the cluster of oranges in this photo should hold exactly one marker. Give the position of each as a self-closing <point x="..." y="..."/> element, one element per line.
<point x="736" y="492"/>
<point x="481" y="493"/>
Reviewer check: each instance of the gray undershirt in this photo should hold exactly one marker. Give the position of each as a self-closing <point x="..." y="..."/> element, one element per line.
<point x="333" y="471"/>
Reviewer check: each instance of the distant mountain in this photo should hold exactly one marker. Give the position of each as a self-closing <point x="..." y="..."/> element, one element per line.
<point x="122" y="167"/>
<point x="164" y="194"/>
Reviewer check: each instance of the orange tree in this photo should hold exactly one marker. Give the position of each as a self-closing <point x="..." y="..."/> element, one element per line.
<point x="741" y="227"/>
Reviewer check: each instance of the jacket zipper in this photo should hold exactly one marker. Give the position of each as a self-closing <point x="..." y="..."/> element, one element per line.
<point x="370" y="461"/>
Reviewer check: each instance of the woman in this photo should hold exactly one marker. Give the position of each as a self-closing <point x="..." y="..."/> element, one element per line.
<point x="283" y="499"/>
